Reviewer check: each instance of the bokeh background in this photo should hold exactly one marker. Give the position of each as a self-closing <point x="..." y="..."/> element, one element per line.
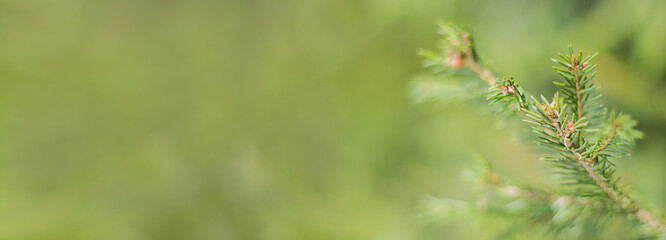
<point x="251" y="119"/>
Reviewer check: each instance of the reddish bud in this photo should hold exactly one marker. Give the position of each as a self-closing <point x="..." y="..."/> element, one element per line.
<point x="570" y="126"/>
<point x="454" y="60"/>
<point x="465" y="37"/>
<point x="510" y="89"/>
<point x="504" y="90"/>
<point x="585" y="64"/>
<point x="548" y="110"/>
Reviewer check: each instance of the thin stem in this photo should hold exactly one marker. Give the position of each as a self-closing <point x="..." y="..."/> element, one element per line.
<point x="600" y="182"/>
<point x="484" y="73"/>
<point x="610" y="136"/>
<point x="579" y="103"/>
<point x="606" y="142"/>
<point x="579" y="99"/>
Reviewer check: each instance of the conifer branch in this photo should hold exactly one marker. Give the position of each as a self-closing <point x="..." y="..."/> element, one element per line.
<point x="584" y="163"/>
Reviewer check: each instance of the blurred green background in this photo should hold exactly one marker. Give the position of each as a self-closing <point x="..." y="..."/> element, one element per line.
<point x="253" y="119"/>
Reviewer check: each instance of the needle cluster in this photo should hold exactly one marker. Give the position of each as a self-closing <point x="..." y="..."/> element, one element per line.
<point x="582" y="137"/>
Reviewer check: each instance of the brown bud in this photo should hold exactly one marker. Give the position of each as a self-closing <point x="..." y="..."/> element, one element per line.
<point x="465" y="37"/>
<point x="510" y="89"/>
<point x="504" y="90"/>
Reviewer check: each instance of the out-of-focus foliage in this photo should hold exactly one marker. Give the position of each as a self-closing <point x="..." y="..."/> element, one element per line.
<point x="282" y="119"/>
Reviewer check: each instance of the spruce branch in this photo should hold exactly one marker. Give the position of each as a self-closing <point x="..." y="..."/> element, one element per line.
<point x="584" y="153"/>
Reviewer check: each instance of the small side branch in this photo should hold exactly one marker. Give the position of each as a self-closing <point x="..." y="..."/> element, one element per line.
<point x="610" y="136"/>
<point x="579" y="99"/>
